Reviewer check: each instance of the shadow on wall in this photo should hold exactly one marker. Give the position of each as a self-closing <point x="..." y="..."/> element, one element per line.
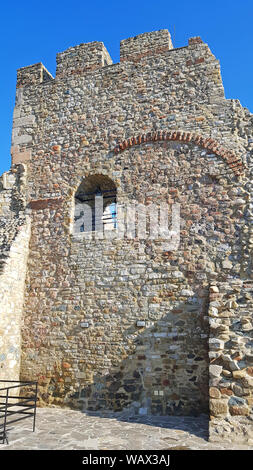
<point x="164" y="374"/>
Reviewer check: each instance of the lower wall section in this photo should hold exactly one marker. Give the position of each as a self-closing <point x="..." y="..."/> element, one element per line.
<point x="116" y="325"/>
<point x="12" y="282"/>
<point x="231" y="361"/>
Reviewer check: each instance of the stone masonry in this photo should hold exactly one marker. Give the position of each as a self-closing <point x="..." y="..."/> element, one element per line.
<point x="124" y="324"/>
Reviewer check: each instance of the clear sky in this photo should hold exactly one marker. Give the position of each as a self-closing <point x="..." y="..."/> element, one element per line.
<point x="32" y="32"/>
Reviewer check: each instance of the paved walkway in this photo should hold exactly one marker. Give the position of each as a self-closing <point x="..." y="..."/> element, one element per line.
<point x="73" y="430"/>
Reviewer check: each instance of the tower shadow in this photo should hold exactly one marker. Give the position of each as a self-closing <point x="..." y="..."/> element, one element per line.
<point x="162" y="382"/>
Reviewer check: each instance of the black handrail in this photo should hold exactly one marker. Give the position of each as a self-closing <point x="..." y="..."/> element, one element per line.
<point x="29" y="402"/>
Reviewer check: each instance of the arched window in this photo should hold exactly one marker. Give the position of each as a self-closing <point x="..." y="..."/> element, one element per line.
<point x="95" y="205"/>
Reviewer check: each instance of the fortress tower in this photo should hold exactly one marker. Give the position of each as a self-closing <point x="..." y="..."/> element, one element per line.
<point x="122" y="321"/>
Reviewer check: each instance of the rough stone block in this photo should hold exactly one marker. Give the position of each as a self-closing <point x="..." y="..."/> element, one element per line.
<point x="21" y="157"/>
<point x="218" y="407"/>
<point x="216" y="344"/>
<point x="215" y="370"/>
<point x="214" y="392"/>
<point x="239" y="410"/>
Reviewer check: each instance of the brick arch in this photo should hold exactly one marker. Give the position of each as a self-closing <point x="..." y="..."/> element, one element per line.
<point x="232" y="160"/>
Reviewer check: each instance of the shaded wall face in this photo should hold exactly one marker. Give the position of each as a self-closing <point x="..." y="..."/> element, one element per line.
<point x="160" y="367"/>
<point x="12" y="280"/>
<point x="14" y="247"/>
<point x="85" y="297"/>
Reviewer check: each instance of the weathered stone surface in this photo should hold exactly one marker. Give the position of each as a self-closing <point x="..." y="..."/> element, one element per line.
<point x="215" y="370"/>
<point x="214" y="289"/>
<point x="20" y="157"/>
<point x="128" y="131"/>
<point x="216" y="344"/>
<point x="239" y="374"/>
<point x="218" y="407"/>
<point x="239" y="410"/>
<point x="237" y="426"/>
<point x="236" y="401"/>
<point x="214" y="392"/>
<point x="226" y="391"/>
<point x="14" y="238"/>
<point x="235" y="356"/>
<point x="247" y="381"/>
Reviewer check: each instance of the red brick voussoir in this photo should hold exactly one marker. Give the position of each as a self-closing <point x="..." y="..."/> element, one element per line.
<point x="232" y="160"/>
<point x="40" y="204"/>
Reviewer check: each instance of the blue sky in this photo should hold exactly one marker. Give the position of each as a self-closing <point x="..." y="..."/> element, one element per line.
<point x="32" y="32"/>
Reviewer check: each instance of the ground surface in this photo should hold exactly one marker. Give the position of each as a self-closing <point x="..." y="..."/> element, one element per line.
<point x="72" y="430"/>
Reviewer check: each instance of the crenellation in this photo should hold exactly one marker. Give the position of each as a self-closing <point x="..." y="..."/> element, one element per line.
<point x="32" y="75"/>
<point x="195" y="41"/>
<point x="145" y="44"/>
<point x="80" y="59"/>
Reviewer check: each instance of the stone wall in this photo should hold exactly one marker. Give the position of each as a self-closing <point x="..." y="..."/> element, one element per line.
<point x="231" y="359"/>
<point x="123" y="323"/>
<point x="144" y="45"/>
<point x="14" y="236"/>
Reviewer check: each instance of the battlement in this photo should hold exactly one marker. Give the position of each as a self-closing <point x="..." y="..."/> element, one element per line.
<point x="82" y="58"/>
<point x="135" y="48"/>
<point x="33" y="75"/>
<point x="88" y="57"/>
<point x="94" y="55"/>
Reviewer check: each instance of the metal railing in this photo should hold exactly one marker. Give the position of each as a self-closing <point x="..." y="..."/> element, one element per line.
<point x="26" y="404"/>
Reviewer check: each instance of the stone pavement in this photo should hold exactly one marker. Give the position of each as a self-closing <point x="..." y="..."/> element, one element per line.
<point x="73" y="430"/>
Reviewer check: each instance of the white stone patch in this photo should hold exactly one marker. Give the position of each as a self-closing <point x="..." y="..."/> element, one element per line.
<point x="22" y="139"/>
<point x="215" y="370"/>
<point x="24" y="121"/>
